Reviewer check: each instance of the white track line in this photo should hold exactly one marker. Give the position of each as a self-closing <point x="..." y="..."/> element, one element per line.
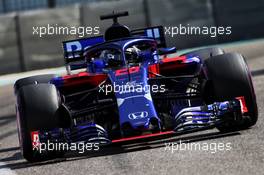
<point x="6" y="171"/>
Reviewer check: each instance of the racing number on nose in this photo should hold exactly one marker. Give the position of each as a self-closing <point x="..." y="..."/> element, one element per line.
<point x="126" y="71"/>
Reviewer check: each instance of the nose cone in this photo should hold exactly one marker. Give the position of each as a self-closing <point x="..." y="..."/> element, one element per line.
<point x="135" y="105"/>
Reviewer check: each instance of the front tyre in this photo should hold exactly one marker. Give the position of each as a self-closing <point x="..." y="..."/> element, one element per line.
<point x="37" y="79"/>
<point x="37" y="105"/>
<point x="231" y="78"/>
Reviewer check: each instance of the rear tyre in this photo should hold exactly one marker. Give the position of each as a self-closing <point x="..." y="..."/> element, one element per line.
<point x="37" y="105"/>
<point x="230" y="78"/>
<point x="206" y="53"/>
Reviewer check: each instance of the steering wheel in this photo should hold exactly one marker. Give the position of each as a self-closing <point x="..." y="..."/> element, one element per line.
<point x="114" y="62"/>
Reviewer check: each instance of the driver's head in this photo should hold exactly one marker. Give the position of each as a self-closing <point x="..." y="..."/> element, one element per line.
<point x="132" y="54"/>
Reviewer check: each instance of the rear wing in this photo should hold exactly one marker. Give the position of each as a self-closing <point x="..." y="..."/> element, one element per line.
<point x="74" y="49"/>
<point x="156" y="33"/>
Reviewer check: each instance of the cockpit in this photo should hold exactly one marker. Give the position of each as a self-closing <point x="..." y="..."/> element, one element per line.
<point x="138" y="51"/>
<point x="130" y="52"/>
<point x="102" y="58"/>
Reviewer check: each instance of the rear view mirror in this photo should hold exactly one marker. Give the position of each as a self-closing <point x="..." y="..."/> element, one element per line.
<point x="165" y="51"/>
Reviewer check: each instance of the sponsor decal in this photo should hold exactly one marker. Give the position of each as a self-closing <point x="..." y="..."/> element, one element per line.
<point x="138" y="115"/>
<point x="35" y="140"/>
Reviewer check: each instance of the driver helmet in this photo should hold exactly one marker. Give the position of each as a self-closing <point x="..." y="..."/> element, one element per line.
<point x="132" y="54"/>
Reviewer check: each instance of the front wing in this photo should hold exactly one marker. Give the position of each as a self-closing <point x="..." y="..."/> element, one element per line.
<point x="191" y="119"/>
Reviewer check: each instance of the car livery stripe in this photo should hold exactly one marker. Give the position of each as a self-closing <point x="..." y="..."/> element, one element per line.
<point x="179" y="58"/>
<point x="143" y="136"/>
<point x="154" y="69"/>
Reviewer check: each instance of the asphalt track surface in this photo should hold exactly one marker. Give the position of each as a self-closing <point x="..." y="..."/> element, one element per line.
<point x="246" y="155"/>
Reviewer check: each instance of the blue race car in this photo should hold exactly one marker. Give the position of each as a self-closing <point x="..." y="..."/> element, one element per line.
<point x="127" y="85"/>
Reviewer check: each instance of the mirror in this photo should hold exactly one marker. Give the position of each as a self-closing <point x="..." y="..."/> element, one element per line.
<point x="165" y="51"/>
<point x="99" y="63"/>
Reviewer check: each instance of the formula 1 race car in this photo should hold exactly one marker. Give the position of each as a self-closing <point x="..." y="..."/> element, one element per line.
<point x="127" y="85"/>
